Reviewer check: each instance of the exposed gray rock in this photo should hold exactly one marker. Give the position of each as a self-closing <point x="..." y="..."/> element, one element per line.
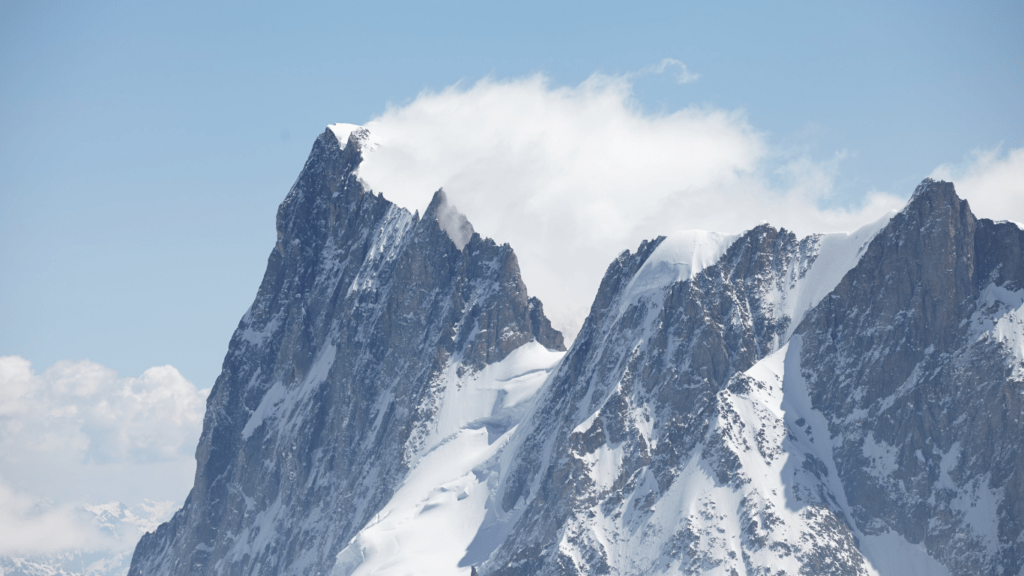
<point x="896" y="411"/>
<point x="923" y="400"/>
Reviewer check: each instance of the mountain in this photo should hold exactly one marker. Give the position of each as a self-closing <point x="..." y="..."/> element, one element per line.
<point x="882" y="436"/>
<point x="916" y="366"/>
<point x="335" y="380"/>
<point x="395" y="403"/>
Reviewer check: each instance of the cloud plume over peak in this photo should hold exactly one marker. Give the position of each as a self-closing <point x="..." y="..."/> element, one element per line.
<point x="992" y="181"/>
<point x="572" y="175"/>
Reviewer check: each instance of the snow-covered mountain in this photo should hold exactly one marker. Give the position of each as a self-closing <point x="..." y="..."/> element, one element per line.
<point x="338" y="377"/>
<point x="395" y="403"/>
<point x="716" y="428"/>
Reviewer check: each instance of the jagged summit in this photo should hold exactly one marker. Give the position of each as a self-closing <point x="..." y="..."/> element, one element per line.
<point x="342" y="374"/>
<point x="812" y="406"/>
<point x="930" y="186"/>
<point x="355" y="142"/>
<point x="680" y="256"/>
<point x="933" y="196"/>
<point x="911" y="362"/>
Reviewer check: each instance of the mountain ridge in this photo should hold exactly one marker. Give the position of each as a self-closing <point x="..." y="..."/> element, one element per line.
<point x="395" y="401"/>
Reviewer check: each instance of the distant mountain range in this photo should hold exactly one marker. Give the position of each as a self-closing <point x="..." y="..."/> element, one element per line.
<point x="120" y="526"/>
<point x="394" y="402"/>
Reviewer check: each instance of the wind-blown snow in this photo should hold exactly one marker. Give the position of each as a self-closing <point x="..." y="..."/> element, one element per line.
<point x="342" y="131"/>
<point x="680" y="256"/>
<point x="684" y="255"/>
<point x="454" y="223"/>
<point x="1015" y="223"/>
<point x="592" y="174"/>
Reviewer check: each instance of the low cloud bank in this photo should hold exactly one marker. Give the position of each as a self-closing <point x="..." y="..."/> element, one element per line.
<point x="76" y="436"/>
<point x="571" y="176"/>
<point x="29" y="525"/>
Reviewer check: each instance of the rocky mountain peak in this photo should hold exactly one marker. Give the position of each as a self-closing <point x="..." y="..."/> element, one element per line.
<point x="908" y="359"/>
<point x="334" y="378"/>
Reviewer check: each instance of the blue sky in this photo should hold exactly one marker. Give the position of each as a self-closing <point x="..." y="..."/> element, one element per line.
<point x="144" y="147"/>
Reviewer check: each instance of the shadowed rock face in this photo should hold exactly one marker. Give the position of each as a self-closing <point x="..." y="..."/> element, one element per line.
<point x="923" y="401"/>
<point x="306" y="429"/>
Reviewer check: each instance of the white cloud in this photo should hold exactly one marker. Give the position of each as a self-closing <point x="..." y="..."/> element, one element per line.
<point x="29" y="525"/>
<point x="86" y="411"/>
<point x="78" y="434"/>
<point x="571" y="176"/>
<point x="992" y="182"/>
<point x="680" y="71"/>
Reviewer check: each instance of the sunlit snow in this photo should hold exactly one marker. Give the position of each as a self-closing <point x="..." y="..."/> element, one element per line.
<point x="429" y="524"/>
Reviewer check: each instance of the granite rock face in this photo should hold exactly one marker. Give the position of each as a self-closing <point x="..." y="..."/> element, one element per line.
<point x="915" y="360"/>
<point x="842" y="404"/>
<point x="307" y="429"/>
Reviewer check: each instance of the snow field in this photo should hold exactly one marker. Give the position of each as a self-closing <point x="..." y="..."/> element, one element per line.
<point x="429" y="524"/>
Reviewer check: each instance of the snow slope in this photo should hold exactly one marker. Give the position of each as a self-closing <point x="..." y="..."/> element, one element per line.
<point x="429" y="524"/>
